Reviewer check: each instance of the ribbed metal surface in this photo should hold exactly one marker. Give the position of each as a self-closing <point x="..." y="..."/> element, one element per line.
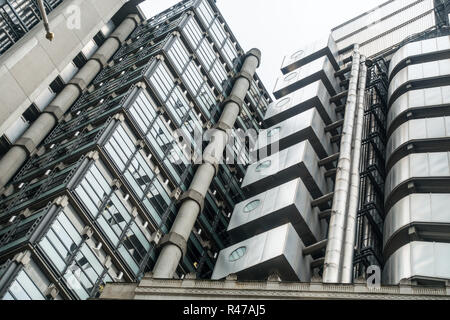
<point x="290" y="202"/>
<point x="279" y="249"/>
<point x="314" y="95"/>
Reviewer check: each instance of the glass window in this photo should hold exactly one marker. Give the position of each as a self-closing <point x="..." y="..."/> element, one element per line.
<point x="252" y="205"/>
<point x="263" y="165"/>
<point x="237" y="254"/>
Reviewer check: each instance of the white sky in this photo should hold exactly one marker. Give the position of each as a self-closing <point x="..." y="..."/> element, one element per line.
<point x="278" y="27"/>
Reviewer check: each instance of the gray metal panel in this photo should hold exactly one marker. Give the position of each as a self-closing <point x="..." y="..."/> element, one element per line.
<point x="299" y="160"/>
<point x="278" y="250"/>
<point x="429" y="211"/>
<point x="422" y="72"/>
<point x="371" y="32"/>
<point x="418" y="48"/>
<point x="290" y="202"/>
<point x="418" y="104"/>
<point x="319" y="69"/>
<point x="369" y="17"/>
<point x="430" y="171"/>
<point x="419" y="135"/>
<point x="307" y="125"/>
<point x="314" y="95"/>
<point x="325" y="46"/>
<point x="417" y="259"/>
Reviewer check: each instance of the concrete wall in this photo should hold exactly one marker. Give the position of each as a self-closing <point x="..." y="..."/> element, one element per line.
<point x="28" y="67"/>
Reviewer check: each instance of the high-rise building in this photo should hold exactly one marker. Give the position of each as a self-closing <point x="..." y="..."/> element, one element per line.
<point x="351" y="188"/>
<point x="90" y="190"/>
<point x="346" y="179"/>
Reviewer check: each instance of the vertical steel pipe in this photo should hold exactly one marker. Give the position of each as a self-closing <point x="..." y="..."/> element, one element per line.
<point x="333" y="254"/>
<point x="353" y="199"/>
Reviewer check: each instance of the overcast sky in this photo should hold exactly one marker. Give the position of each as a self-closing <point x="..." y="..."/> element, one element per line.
<point x="278" y="27"/>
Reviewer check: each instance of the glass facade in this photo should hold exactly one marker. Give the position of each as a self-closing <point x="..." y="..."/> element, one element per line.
<point x="91" y="205"/>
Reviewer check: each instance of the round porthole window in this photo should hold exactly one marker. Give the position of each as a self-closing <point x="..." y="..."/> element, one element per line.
<point x="252" y="205"/>
<point x="263" y="165"/>
<point x="290" y="76"/>
<point x="237" y="254"/>
<point x="297" y="54"/>
<point x="283" y="102"/>
<point x="273" y="132"/>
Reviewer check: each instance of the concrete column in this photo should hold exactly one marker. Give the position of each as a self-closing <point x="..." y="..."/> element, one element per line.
<point x="333" y="254"/>
<point x="353" y="198"/>
<point x="33" y="136"/>
<point x="174" y="243"/>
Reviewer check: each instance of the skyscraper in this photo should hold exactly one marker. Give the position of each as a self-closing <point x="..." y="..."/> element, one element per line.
<point x="351" y="185"/>
<point x="105" y="166"/>
<point x="339" y="186"/>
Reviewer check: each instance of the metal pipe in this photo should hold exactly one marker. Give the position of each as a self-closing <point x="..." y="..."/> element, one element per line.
<point x="353" y="201"/>
<point x="33" y="136"/>
<point x="333" y="254"/>
<point x="174" y="243"/>
<point x="49" y="35"/>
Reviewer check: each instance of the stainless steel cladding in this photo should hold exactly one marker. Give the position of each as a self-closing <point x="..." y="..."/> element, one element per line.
<point x="305" y="126"/>
<point x="427" y="172"/>
<point x="430" y="49"/>
<point x="425" y="262"/>
<point x="297" y="161"/>
<point x="314" y="95"/>
<point x="319" y="69"/>
<point x="416" y="231"/>
<point x="381" y="29"/>
<point x="276" y="251"/>
<point x="426" y="213"/>
<point x="324" y="46"/>
<point x="418" y="135"/>
<point x="288" y="203"/>
<point x="418" y="75"/>
<point x="370" y="17"/>
<point x="419" y="103"/>
<point x="387" y="24"/>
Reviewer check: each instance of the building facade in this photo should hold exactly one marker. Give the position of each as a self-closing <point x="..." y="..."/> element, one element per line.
<point x="95" y="198"/>
<point x="351" y="178"/>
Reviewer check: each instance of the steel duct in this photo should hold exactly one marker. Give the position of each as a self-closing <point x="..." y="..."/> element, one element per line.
<point x="174" y="243"/>
<point x="353" y="198"/>
<point x="41" y="127"/>
<point x="336" y="231"/>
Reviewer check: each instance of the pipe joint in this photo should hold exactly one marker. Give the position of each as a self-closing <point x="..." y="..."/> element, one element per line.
<point x="211" y="161"/>
<point x="101" y="59"/>
<point x="255" y="53"/>
<point x="54" y="111"/>
<point x="175" y="239"/>
<point x="245" y="75"/>
<point x="235" y="99"/>
<point x="79" y="83"/>
<point x="194" y="196"/>
<point x="26" y="144"/>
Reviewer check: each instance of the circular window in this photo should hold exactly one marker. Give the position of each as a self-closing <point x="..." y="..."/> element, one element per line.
<point x="273" y="131"/>
<point x="290" y="76"/>
<point x="283" y="102"/>
<point x="263" y="165"/>
<point x="297" y="54"/>
<point x="237" y="254"/>
<point x="252" y="205"/>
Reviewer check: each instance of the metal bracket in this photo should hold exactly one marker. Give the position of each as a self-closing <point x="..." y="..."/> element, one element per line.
<point x="194" y="196"/>
<point x="175" y="239"/>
